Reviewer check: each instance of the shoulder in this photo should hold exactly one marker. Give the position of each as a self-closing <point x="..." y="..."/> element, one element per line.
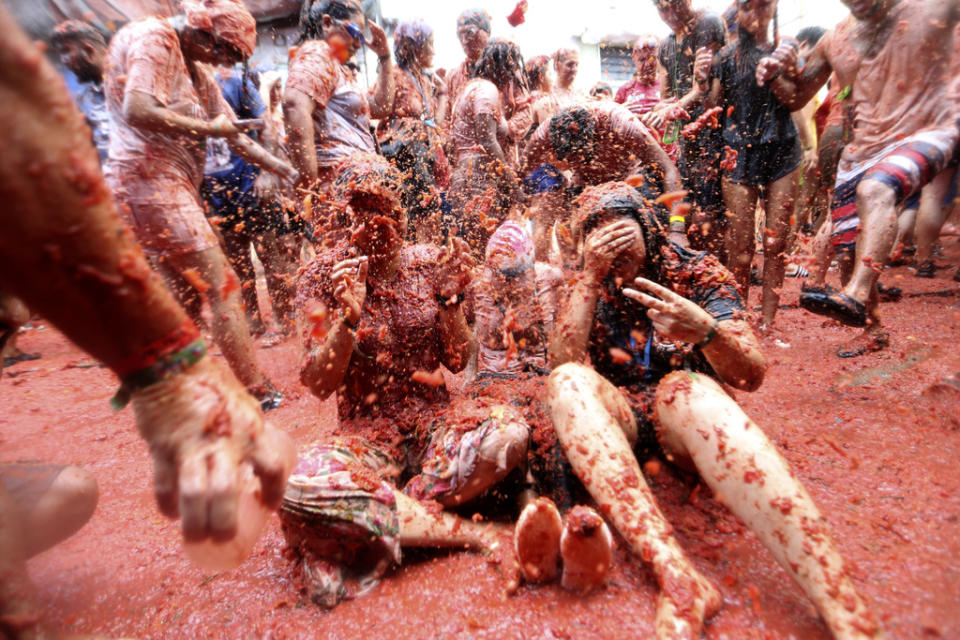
<point x="152" y="35"/>
<point x="312" y="53"/>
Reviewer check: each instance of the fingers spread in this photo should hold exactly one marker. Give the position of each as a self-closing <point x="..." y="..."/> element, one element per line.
<point x="653" y="287"/>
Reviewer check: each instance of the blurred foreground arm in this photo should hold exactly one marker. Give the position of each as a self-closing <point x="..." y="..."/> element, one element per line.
<point x="66" y="252"/>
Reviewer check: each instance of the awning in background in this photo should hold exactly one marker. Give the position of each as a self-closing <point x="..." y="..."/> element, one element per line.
<point x="39" y="17"/>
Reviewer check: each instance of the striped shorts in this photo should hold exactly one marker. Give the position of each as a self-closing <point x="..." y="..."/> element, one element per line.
<point x="905" y="167"/>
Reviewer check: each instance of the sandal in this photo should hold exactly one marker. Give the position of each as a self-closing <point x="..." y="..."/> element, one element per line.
<point x="268" y="395"/>
<point x="836" y="305"/>
<point x="889" y="294"/>
<point x="863" y="344"/>
<point x="925" y="269"/>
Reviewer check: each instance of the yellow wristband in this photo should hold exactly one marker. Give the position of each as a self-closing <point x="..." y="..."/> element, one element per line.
<point x="679" y="219"/>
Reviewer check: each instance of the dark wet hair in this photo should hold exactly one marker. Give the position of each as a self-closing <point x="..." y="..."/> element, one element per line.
<point x="477" y="17"/>
<point x="572" y="131"/>
<point x="811" y="35"/>
<point x="601" y="87"/>
<point x="71" y="30"/>
<point x="312" y="12"/>
<point x="366" y="174"/>
<point x="537" y="67"/>
<point x="409" y="38"/>
<point x="501" y="63"/>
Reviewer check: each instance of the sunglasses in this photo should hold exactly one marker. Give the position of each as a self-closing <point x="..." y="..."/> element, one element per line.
<point x="355" y="32"/>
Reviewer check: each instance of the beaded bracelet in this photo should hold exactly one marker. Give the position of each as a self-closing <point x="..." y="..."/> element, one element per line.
<point x="161" y="359"/>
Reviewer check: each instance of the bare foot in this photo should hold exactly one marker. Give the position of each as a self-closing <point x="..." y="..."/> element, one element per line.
<point x="587" y="549"/>
<point x="537" y="541"/>
<point x="497" y="545"/>
<point x="685" y="602"/>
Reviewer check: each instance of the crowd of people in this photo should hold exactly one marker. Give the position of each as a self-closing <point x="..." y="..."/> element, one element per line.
<point x="583" y="258"/>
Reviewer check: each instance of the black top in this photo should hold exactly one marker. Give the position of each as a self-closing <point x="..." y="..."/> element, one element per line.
<point x="622" y="323"/>
<point x="757" y="116"/>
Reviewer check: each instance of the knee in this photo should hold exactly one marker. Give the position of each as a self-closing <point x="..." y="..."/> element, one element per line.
<point x="874" y="194"/>
<point x="76" y="492"/>
<point x="680" y="393"/>
<point x="568" y="379"/>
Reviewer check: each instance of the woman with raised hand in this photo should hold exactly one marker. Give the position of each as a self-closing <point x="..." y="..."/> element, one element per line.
<point x="663" y="328"/>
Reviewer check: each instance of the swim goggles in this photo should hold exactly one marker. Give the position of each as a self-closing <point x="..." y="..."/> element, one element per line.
<point x="355" y="32"/>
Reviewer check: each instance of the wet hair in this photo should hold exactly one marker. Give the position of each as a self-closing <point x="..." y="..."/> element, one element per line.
<point x="601" y="87"/>
<point x="537" y="68"/>
<point x="563" y="53"/>
<point x="71" y="30"/>
<point x="572" y="132"/>
<point x="811" y="35"/>
<point x="477" y="17"/>
<point x="312" y="12"/>
<point x="366" y="174"/>
<point x="730" y="17"/>
<point x="711" y="32"/>
<point x="409" y="38"/>
<point x="501" y="63"/>
<point x="622" y="200"/>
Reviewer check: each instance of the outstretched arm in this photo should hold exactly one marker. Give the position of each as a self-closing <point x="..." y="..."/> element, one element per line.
<point x="66" y="252"/>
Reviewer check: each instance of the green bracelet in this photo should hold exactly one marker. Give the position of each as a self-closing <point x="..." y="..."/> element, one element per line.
<point x="165" y="367"/>
<point x="710" y="335"/>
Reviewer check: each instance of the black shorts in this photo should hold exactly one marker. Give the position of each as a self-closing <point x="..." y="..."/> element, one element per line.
<point x="761" y="164"/>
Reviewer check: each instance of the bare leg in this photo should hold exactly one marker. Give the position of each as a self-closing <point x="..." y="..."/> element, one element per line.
<point x="18" y="611"/>
<point x="741" y="213"/>
<point x="420" y="527"/>
<point x="61" y="511"/>
<point x="876" y="205"/>
<point x="699" y="421"/>
<point x="906" y="224"/>
<point x="780" y="202"/>
<point x="229" y="326"/>
<point x="279" y="262"/>
<point x="596" y="427"/>
<point x="931" y="215"/>
<point x="236" y="246"/>
<point x="821" y="253"/>
<point x="28" y="529"/>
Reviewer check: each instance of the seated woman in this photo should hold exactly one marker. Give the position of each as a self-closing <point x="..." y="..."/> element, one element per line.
<point x="656" y="355"/>
<point x="408" y="130"/>
<point x="378" y="317"/>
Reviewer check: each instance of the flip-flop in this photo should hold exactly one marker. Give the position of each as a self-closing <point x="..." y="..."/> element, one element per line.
<point x="863" y="344"/>
<point x="836" y="305"/>
<point x="889" y="294"/>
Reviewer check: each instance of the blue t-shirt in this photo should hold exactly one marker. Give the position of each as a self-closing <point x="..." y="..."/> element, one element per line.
<point x="90" y="100"/>
<point x="229" y="178"/>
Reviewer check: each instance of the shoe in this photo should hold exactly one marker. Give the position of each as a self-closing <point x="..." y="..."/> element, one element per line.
<point x="863" y="344"/>
<point x="536" y="541"/>
<point x="836" y="305"/>
<point x="813" y="288"/>
<point x="586" y="547"/>
<point x="925" y="269"/>
<point x="889" y="294"/>
<point x="755" y="277"/>
<point x="269" y="396"/>
<point x="800" y="272"/>
<point x="23" y="356"/>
